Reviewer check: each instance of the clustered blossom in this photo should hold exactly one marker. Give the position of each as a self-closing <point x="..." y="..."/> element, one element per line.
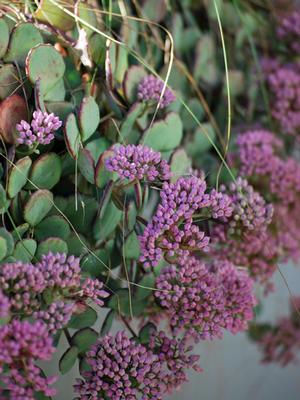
<point x="41" y="130"/>
<point x="172" y="231"/>
<point x="257" y="251"/>
<point x="257" y="152"/>
<point x="56" y="316"/>
<point x="21" y="345"/>
<point x="22" y="283"/>
<point x="280" y="343"/>
<point x="138" y="163"/>
<point x="250" y="211"/>
<point x="60" y="271"/>
<point x="284" y="84"/>
<point x="289" y="30"/>
<point x="120" y="369"/>
<point x="278" y="179"/>
<point x="203" y="300"/>
<point x="4" y="305"/>
<point x="150" y="89"/>
<point x="93" y="289"/>
<point x="221" y="205"/>
<point x="174" y="359"/>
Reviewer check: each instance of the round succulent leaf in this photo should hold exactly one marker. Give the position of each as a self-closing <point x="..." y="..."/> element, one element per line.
<point x="83" y="216"/>
<point x="180" y="164"/>
<point x="77" y="246"/>
<point x="38" y="206"/>
<point x="205" y="67"/>
<point x="4" y="37"/>
<point x="68" y="359"/>
<point x="53" y="244"/>
<point x="164" y="135"/>
<point x="9" y="80"/>
<point x="10" y="244"/>
<point x="83" y="320"/>
<point x="89" y="117"/>
<point x="88" y="15"/>
<point x="18" y="175"/>
<point x="102" y="175"/>
<point x="197" y="109"/>
<point x="20" y="231"/>
<point x="12" y="110"/>
<point x="200" y="143"/>
<point x="132" y="247"/>
<point x="60" y="108"/>
<point x="3" y="200"/>
<point x="72" y="135"/>
<point x="120" y="302"/>
<point x="45" y="171"/>
<point x="131" y="117"/>
<point x="57" y="92"/>
<point x="53" y="226"/>
<point x="86" y="165"/>
<point x="96" y="264"/>
<point x="146" y="287"/>
<point x="97" y="48"/>
<point x="49" y="13"/>
<point x="132" y="78"/>
<point x="22" y="38"/>
<point x="97" y="146"/>
<point x="104" y="226"/>
<point x="84" y="339"/>
<point x="107" y="323"/>
<point x="25" y="250"/>
<point x="3" y="248"/>
<point x="45" y="63"/>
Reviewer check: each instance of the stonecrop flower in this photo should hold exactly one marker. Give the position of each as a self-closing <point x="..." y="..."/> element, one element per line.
<point x="93" y="289"/>
<point x="172" y="231"/>
<point x="174" y="359"/>
<point x="257" y="152"/>
<point x="150" y="89"/>
<point x="289" y="30"/>
<point x="121" y="369"/>
<point x="221" y="205"/>
<point x="4" y="305"/>
<point x="56" y="316"/>
<point x="281" y="344"/>
<point x="202" y="301"/>
<point x="22" y="283"/>
<point x="21" y="345"/>
<point x="138" y="163"/>
<point x="284" y="84"/>
<point x="41" y="130"/>
<point x="60" y="271"/>
<point x="250" y="211"/>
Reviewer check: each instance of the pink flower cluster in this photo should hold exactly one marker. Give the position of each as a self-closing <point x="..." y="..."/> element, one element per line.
<point x="4" y="305"/>
<point x="138" y="163"/>
<point x="250" y="211"/>
<point x="289" y="30"/>
<point x="21" y="345"/>
<point x="175" y="360"/>
<point x="172" y="231"/>
<point x="284" y="84"/>
<point x="120" y="369"/>
<point x="41" y="130"/>
<point x="24" y="283"/>
<point x="150" y="89"/>
<point x="280" y="343"/>
<point x="202" y="300"/>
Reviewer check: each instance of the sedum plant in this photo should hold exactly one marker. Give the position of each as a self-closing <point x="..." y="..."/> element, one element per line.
<point x="130" y="224"/>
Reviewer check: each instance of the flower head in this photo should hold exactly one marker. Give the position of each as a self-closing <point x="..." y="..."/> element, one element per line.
<point x="138" y="162"/>
<point x="4" y="305"/>
<point x="150" y="89"/>
<point x="22" y="283"/>
<point x="41" y="130"/>
<point x="121" y="368"/>
<point x="56" y="316"/>
<point x="289" y="30"/>
<point x="21" y="345"/>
